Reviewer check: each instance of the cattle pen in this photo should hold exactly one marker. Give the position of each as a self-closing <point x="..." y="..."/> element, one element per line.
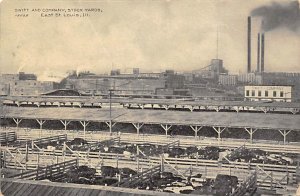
<point x="171" y="150"/>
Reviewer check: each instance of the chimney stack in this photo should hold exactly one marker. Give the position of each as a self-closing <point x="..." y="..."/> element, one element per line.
<point x="249" y="45"/>
<point x="262" y="63"/>
<point x="258" y="52"/>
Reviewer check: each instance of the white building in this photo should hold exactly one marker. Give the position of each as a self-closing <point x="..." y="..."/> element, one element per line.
<point x="250" y="78"/>
<point x="270" y="93"/>
<point x="228" y="80"/>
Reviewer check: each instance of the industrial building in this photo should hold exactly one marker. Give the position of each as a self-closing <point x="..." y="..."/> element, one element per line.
<point x="269" y="93"/>
<point x="23" y="84"/>
<point x="228" y="80"/>
<point x="212" y="71"/>
<point x="168" y="83"/>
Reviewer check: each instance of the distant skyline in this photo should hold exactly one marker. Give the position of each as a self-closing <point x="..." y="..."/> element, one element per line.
<point x="150" y="35"/>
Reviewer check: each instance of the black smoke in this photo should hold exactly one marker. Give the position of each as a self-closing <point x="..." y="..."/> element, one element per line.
<point x="279" y="15"/>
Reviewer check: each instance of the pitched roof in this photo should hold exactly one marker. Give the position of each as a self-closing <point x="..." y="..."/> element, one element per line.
<point x="17" y="187"/>
<point x="221" y="119"/>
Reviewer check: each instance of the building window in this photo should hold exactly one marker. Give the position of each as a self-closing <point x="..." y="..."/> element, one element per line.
<point x="274" y="94"/>
<point x="259" y="93"/>
<point x="281" y="93"/>
<point x="247" y="93"/>
<point x="16" y="83"/>
<point x="266" y="93"/>
<point x="253" y="93"/>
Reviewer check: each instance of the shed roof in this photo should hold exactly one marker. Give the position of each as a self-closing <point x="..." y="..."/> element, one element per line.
<point x="18" y="187"/>
<point x="222" y="119"/>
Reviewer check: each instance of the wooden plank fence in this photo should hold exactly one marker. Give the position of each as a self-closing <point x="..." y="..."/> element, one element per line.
<point x="175" y="161"/>
<point x="9" y="136"/>
<point x="161" y="139"/>
<point x="42" y="141"/>
<point x="249" y="185"/>
<point x="97" y="143"/>
<point x="55" y="171"/>
<point x="140" y="177"/>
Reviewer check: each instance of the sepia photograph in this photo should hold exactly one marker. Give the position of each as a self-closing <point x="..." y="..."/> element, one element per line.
<point x="149" y="97"/>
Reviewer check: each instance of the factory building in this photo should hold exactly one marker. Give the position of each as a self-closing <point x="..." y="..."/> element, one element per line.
<point x="23" y="84"/>
<point x="269" y="93"/>
<point x="228" y="80"/>
<point x="123" y="85"/>
<point x="284" y="79"/>
<point x="167" y="82"/>
<point x="281" y="78"/>
<point x="250" y="78"/>
<point x="212" y="71"/>
<point x="174" y="84"/>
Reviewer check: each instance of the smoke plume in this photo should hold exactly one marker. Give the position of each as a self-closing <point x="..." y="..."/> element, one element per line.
<point x="279" y="15"/>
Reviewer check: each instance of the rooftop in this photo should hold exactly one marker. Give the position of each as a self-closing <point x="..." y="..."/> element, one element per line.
<point x="217" y="119"/>
<point x="18" y="187"/>
<point x="89" y="99"/>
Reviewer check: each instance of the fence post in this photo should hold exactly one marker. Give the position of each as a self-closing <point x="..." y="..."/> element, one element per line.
<point x="117" y="161"/>
<point x="26" y="156"/>
<point x="50" y="168"/>
<point x="64" y="167"/>
<point x="38" y="159"/>
<point x="4" y="157"/>
<point x="271" y="187"/>
<point x="287" y="174"/>
<point x="162" y="165"/>
<point x="137" y="159"/>
<point x="37" y="173"/>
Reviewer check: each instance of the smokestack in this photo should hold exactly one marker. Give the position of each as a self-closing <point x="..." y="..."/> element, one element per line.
<point x="262" y="63"/>
<point x="249" y="45"/>
<point x="258" y="52"/>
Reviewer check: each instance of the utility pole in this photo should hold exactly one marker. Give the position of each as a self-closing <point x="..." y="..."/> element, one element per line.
<point x="110" y="120"/>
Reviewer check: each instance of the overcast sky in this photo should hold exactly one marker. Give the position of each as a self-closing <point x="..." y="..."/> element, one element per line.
<point x="152" y="35"/>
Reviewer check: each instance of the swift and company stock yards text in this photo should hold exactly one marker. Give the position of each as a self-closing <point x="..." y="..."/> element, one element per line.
<point x="57" y="12"/>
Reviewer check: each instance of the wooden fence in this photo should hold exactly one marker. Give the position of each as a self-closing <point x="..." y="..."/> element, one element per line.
<point x="140" y="177"/>
<point x="162" y="140"/>
<point x="54" y="172"/>
<point x="268" y="175"/>
<point x="42" y="141"/>
<point x="155" y="160"/>
<point x="6" y="137"/>
<point x="249" y="185"/>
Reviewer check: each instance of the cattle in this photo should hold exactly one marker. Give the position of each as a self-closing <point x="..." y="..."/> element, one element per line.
<point x="127" y="172"/>
<point x="224" y="184"/>
<point x="109" y="171"/>
<point x="116" y="149"/>
<point x="176" y="152"/>
<point x="75" y="173"/>
<point x="78" y="141"/>
<point x="52" y="148"/>
<point x="108" y="181"/>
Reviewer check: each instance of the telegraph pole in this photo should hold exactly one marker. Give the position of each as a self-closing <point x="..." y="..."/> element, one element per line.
<point x="110" y="120"/>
